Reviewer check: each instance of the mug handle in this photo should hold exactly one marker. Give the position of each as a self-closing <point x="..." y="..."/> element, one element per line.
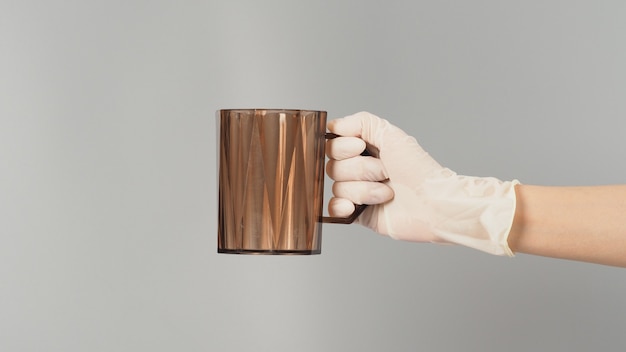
<point x="358" y="208"/>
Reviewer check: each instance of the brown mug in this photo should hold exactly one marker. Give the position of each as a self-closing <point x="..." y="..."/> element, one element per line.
<point x="271" y="181"/>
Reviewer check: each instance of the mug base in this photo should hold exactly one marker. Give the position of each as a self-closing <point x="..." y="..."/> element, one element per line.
<point x="269" y="251"/>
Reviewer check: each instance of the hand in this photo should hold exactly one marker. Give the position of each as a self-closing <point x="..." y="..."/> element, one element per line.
<point x="412" y="197"/>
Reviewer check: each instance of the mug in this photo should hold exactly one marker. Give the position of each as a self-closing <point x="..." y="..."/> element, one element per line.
<point x="271" y="181"/>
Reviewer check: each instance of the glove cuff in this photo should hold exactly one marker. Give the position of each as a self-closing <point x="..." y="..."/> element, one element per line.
<point x="477" y="212"/>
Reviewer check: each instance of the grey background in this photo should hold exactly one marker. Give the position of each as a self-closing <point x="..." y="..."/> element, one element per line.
<point x="107" y="171"/>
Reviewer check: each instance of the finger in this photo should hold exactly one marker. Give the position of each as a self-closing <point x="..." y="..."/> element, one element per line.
<point x="340" y="207"/>
<point x="369" y="127"/>
<point x="358" y="168"/>
<point x="340" y="148"/>
<point x="363" y="192"/>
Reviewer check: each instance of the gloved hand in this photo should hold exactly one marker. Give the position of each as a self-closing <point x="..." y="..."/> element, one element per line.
<point x="412" y="197"/>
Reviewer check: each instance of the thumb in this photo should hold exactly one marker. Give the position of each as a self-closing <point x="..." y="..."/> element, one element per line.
<point x="402" y="156"/>
<point x="369" y="127"/>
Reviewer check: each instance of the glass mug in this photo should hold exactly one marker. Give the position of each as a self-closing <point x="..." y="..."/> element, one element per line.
<point x="271" y="181"/>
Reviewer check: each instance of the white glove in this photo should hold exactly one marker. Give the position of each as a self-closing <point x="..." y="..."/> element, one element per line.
<point x="412" y="197"/>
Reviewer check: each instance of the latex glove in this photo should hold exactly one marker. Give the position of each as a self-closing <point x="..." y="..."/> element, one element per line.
<point x="412" y="197"/>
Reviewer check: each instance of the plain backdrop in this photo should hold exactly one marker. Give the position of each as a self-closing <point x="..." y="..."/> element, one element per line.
<point x="108" y="171"/>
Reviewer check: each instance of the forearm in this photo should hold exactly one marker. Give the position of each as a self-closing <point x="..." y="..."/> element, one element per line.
<point x="577" y="223"/>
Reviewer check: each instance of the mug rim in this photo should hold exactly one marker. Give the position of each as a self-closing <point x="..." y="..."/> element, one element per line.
<point x="289" y="111"/>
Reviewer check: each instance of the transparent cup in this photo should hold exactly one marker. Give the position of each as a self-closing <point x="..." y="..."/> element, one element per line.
<point x="271" y="181"/>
